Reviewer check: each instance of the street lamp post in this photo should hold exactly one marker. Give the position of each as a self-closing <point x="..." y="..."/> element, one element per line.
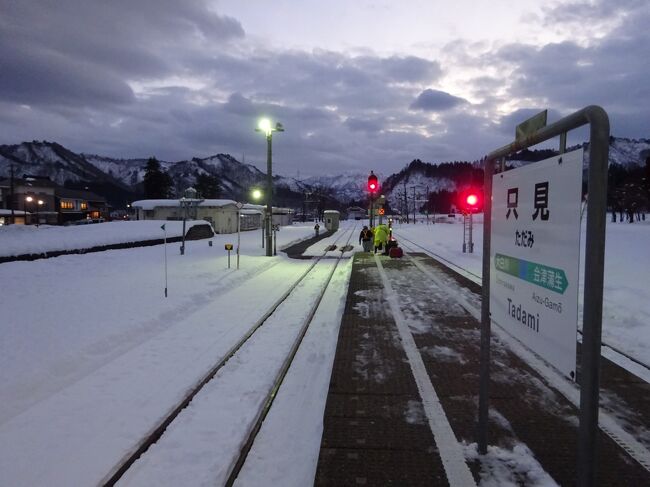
<point x="256" y="194"/>
<point x="39" y="204"/>
<point x="28" y="199"/>
<point x="266" y="127"/>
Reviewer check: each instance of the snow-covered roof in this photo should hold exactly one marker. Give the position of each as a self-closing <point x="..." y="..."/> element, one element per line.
<point x="251" y="206"/>
<point x="151" y="204"/>
<point x="245" y="211"/>
<point x="331" y="212"/>
<point x="16" y="212"/>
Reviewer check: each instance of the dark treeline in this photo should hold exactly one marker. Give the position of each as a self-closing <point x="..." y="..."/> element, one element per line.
<point x="628" y="191"/>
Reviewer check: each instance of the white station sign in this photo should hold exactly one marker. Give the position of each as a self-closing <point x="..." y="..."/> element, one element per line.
<point x="535" y="256"/>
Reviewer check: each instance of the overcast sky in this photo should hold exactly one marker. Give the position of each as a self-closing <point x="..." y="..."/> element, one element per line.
<point x="369" y="84"/>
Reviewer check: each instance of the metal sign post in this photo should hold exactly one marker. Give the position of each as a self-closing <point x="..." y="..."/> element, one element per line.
<point x="276" y="229"/>
<point x="165" y="246"/>
<point x="228" y="247"/>
<point x="239" y="207"/>
<point x="598" y="121"/>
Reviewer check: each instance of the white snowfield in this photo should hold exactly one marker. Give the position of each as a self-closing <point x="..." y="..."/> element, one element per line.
<point x="30" y="239"/>
<point x="93" y="355"/>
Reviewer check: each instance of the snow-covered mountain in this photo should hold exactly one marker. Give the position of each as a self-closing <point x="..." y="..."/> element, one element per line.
<point x="64" y="166"/>
<point x="53" y="161"/>
<point x="346" y="187"/>
<point x="236" y="178"/>
<point x="626" y="152"/>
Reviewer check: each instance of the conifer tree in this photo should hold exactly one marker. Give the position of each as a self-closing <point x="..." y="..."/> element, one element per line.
<point x="157" y="183"/>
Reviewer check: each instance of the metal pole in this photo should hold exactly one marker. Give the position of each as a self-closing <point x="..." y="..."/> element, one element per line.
<point x="11" y="198"/>
<point x="238" y="235"/>
<point x="165" y="245"/>
<point x="263" y="225"/>
<point x="269" y="193"/>
<point x="184" y="217"/>
<point x="275" y="241"/>
<point x="486" y="325"/>
<point x="593" y="295"/>
<point x="414" y="206"/>
<point x="471" y="241"/>
<point x="428" y="205"/>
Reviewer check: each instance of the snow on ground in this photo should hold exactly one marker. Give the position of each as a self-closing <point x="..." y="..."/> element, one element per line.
<point x="85" y="335"/>
<point x="626" y="301"/>
<point x="30" y="239"/>
<point x="506" y="468"/>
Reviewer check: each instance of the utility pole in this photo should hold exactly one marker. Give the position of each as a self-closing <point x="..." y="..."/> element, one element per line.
<point x="406" y="203"/>
<point x="414" y="205"/>
<point x="11" y="196"/>
<point x="428" y="205"/>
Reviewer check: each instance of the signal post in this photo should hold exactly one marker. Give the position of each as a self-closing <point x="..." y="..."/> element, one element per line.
<point x="470" y="201"/>
<point x="373" y="190"/>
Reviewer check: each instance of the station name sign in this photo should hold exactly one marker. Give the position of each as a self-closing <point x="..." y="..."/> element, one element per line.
<point x="535" y="256"/>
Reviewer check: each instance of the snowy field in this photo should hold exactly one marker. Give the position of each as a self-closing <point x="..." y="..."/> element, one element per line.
<point x="30" y="239"/>
<point x="626" y="306"/>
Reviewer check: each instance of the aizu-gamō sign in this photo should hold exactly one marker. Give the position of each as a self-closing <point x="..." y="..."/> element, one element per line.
<point x="535" y="256"/>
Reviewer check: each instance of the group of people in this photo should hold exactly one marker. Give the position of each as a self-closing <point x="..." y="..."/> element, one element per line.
<point x="377" y="238"/>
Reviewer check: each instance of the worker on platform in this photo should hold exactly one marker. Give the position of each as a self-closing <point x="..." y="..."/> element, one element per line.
<point x="380" y="237"/>
<point x="317" y="228"/>
<point x="365" y="238"/>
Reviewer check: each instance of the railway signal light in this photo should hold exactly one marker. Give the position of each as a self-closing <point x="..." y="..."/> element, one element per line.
<point x="381" y="211"/>
<point x="373" y="183"/>
<point x="470" y="200"/>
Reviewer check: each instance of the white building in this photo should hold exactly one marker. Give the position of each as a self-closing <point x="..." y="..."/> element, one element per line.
<point x="357" y="213"/>
<point x="221" y="214"/>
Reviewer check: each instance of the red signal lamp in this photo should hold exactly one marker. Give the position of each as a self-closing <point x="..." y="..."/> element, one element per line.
<point x="470" y="200"/>
<point x="373" y="183"/>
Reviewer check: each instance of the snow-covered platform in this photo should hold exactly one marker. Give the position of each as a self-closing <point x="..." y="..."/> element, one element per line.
<point x="395" y="419"/>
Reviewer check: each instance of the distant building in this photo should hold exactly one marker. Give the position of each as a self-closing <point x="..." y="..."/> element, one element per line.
<point x="357" y="213"/>
<point x="74" y="204"/>
<point x="37" y="199"/>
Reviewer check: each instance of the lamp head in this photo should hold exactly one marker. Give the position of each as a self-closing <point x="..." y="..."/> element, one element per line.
<point x="264" y="125"/>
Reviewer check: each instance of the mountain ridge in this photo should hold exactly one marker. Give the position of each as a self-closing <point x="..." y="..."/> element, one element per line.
<point x="124" y="176"/>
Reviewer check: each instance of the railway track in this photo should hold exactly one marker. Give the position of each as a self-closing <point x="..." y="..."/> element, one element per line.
<point x="610" y="417"/>
<point x="120" y="470"/>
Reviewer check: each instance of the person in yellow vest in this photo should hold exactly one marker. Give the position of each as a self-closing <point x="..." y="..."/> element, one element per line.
<point x="365" y="238"/>
<point x="381" y="237"/>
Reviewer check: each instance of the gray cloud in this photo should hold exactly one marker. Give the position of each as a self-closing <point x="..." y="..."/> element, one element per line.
<point x="364" y="125"/>
<point x="436" y="101"/>
<point x="72" y="71"/>
<point x="72" y="51"/>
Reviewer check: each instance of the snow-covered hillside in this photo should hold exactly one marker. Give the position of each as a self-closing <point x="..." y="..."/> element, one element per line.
<point x="236" y="178"/>
<point x="347" y="187"/>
